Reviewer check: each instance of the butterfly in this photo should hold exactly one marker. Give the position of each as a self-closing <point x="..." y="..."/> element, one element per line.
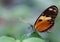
<point x="46" y="20"/>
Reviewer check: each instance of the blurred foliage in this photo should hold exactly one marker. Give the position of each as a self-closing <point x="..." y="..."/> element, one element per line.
<point x="6" y="39"/>
<point x="18" y="16"/>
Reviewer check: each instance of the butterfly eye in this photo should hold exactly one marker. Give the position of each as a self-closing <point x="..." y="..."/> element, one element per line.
<point x="40" y="20"/>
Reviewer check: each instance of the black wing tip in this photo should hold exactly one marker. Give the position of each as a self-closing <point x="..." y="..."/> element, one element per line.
<point x="54" y="6"/>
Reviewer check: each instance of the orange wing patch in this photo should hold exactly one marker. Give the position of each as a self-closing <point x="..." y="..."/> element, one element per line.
<point x="42" y="23"/>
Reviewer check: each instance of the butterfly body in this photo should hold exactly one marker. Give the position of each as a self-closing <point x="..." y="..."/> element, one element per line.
<point x="46" y="19"/>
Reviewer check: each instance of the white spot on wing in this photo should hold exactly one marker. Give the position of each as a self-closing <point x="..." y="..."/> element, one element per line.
<point x="54" y="10"/>
<point x="50" y="9"/>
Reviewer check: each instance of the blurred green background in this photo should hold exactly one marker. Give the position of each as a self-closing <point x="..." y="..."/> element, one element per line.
<point x="15" y="16"/>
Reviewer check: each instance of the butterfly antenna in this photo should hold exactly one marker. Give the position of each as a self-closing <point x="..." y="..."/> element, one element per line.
<point x="30" y="25"/>
<point x="26" y="22"/>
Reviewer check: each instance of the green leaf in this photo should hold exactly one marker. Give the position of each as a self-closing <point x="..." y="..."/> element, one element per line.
<point x="33" y="39"/>
<point x="6" y="39"/>
<point x="17" y="40"/>
<point x="35" y="34"/>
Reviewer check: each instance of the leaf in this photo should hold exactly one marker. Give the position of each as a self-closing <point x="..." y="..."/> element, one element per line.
<point x="35" y="34"/>
<point x="6" y="39"/>
<point x="33" y="39"/>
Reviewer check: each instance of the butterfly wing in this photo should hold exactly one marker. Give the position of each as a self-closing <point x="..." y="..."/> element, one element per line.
<point x="46" y="19"/>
